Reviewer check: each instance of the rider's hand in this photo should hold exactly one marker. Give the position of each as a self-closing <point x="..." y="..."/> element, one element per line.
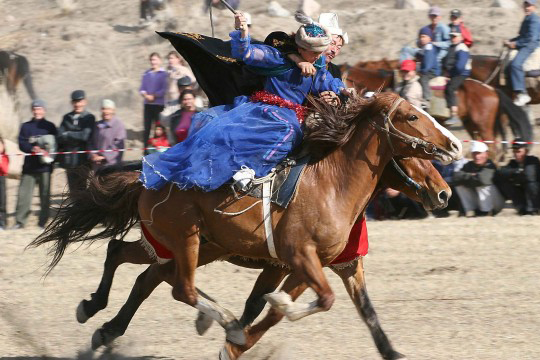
<point x="307" y="68"/>
<point x="330" y="98"/>
<point x="239" y="21"/>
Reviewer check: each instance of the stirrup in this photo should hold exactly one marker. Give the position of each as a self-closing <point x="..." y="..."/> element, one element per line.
<point x="243" y="178"/>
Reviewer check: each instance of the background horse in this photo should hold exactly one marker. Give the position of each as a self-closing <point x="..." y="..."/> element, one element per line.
<point x="484" y="111"/>
<point x="430" y="189"/>
<point x="13" y="69"/>
<point x="333" y="190"/>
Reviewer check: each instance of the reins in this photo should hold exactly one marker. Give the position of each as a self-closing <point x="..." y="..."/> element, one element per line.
<point x="390" y="130"/>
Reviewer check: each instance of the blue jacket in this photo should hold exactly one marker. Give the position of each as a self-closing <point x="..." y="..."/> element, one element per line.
<point x="428" y="58"/>
<point x="529" y="33"/>
<point x="29" y="129"/>
<point x="456" y="62"/>
<point x="440" y="37"/>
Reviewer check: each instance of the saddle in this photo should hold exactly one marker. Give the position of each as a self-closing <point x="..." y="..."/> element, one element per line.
<point x="531" y="65"/>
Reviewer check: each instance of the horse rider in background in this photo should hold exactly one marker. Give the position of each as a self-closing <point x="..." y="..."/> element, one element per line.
<point x="457" y="25"/>
<point x="458" y="67"/>
<point x="526" y="43"/>
<point x="429" y="66"/>
<point x="410" y="88"/>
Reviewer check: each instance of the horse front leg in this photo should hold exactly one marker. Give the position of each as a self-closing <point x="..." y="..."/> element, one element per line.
<point x="118" y="253"/>
<point x="354" y="281"/>
<point x="293" y="288"/>
<point x="307" y="269"/>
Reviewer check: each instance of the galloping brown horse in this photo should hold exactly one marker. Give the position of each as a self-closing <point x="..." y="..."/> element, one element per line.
<point x="14" y="68"/>
<point x="480" y="106"/>
<point x="310" y="233"/>
<point x="420" y="181"/>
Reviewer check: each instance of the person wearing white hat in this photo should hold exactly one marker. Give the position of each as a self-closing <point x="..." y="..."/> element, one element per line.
<point x="474" y="184"/>
<point x="339" y="39"/>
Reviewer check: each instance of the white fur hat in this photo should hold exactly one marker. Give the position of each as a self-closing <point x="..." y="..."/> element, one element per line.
<point x="330" y="20"/>
<point x="305" y="41"/>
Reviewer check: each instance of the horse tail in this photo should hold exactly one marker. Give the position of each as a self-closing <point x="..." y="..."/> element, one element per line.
<point x="23" y="69"/>
<point x="109" y="200"/>
<point x="519" y="120"/>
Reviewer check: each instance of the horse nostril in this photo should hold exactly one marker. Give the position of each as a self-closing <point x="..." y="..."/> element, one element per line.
<point x="443" y="196"/>
<point x="456" y="147"/>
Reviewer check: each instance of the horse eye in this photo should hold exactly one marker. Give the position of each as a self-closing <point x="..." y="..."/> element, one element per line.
<point x="413" y="118"/>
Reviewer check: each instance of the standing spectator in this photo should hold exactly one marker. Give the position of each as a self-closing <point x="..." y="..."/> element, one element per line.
<point x="428" y="63"/>
<point x="457" y="65"/>
<point x="410" y="88"/>
<point x="185" y="83"/>
<point x="32" y="137"/>
<point x="177" y="69"/>
<point x="153" y="89"/>
<point x="457" y="25"/>
<point x="474" y="184"/>
<point x="527" y="41"/>
<point x="109" y="134"/>
<point x="181" y="120"/>
<point x="519" y="180"/>
<point x="74" y="134"/>
<point x="4" y="164"/>
<point x="437" y="31"/>
<point x="159" y="141"/>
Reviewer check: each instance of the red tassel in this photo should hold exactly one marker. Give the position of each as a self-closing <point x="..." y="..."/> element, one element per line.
<point x="272" y="99"/>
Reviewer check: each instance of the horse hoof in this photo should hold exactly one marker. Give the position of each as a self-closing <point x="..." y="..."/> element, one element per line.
<point x="396" y="356"/>
<point x="279" y="301"/>
<point x="224" y="354"/>
<point x="235" y="333"/>
<point x="203" y="323"/>
<point x="81" y="313"/>
<point x="101" y="338"/>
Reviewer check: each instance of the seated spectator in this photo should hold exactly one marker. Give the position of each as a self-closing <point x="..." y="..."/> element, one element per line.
<point x="457" y="25"/>
<point x="474" y="184"/>
<point x="519" y="180"/>
<point x="34" y="137"/>
<point x="109" y="134"/>
<point x="180" y="121"/>
<point x="390" y="204"/>
<point x="447" y="172"/>
<point x="74" y="134"/>
<point x="410" y="88"/>
<point x="429" y="67"/>
<point x="159" y="141"/>
<point x="4" y="164"/>
<point x="457" y="66"/>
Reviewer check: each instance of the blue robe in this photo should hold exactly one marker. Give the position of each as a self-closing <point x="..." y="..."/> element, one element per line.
<point x="245" y="133"/>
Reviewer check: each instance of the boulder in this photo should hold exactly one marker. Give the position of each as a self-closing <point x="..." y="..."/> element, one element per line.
<point x="412" y="4"/>
<point x="505" y="4"/>
<point x="310" y="8"/>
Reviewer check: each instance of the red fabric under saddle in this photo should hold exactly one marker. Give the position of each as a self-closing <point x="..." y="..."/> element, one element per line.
<point x="161" y="251"/>
<point x="357" y="245"/>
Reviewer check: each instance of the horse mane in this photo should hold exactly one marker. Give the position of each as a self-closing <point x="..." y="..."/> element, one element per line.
<point x="330" y="127"/>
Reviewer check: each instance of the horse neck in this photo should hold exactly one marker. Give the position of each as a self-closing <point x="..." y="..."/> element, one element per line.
<point x="350" y="174"/>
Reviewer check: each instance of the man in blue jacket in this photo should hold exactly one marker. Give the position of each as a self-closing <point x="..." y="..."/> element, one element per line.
<point x="429" y="67"/>
<point x="36" y="169"/>
<point x="527" y="41"/>
<point x="457" y="66"/>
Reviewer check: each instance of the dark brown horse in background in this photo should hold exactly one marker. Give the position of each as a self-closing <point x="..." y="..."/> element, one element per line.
<point x="14" y="68"/>
<point x="485" y="111"/>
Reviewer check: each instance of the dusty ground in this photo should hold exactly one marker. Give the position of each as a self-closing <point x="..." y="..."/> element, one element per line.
<point x="444" y="289"/>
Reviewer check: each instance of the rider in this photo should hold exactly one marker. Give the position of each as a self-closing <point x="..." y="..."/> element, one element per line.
<point x="429" y="67"/>
<point x="410" y="88"/>
<point x="457" y="25"/>
<point x="526" y="43"/>
<point x="456" y="64"/>
<point x="252" y="135"/>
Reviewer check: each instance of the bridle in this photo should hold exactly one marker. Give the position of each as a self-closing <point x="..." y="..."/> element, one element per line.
<point x="390" y="130"/>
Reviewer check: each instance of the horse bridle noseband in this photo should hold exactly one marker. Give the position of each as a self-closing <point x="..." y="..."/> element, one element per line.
<point x="390" y="130"/>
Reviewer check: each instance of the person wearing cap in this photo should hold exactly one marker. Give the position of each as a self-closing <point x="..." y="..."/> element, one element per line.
<point x="109" y="134"/>
<point x="526" y="43"/>
<point x="409" y="88"/>
<point x="475" y="186"/>
<point x="153" y="89"/>
<point x="457" y="65"/>
<point x="251" y="136"/>
<point x="519" y="180"/>
<point x="429" y="66"/>
<point x="74" y="134"/>
<point x="437" y="31"/>
<point x="457" y="25"/>
<point x="36" y="169"/>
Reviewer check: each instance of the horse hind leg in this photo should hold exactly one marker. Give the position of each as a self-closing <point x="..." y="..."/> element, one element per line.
<point x="118" y="253"/>
<point x="354" y="281"/>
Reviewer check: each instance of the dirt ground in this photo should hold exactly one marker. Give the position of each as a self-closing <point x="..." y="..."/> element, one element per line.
<point x="450" y="288"/>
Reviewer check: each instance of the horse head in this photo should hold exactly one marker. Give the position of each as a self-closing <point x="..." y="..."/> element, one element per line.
<point x="410" y="131"/>
<point x="419" y="180"/>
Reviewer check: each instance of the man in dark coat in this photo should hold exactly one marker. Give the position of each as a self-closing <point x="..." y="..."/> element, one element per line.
<point x="74" y="134"/>
<point x="519" y="180"/>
